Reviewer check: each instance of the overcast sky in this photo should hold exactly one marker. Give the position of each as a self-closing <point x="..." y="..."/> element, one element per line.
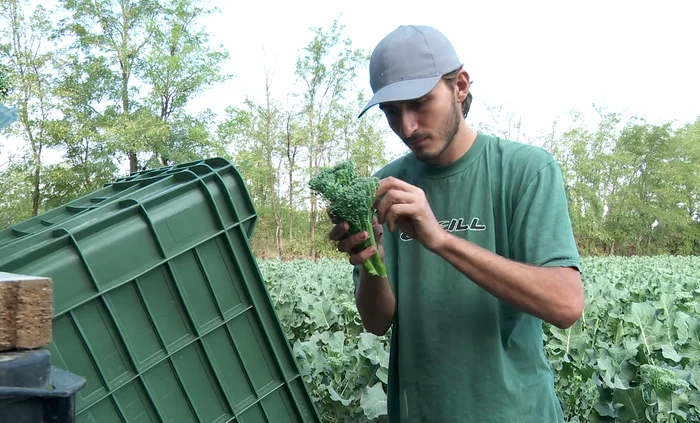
<point x="536" y="58"/>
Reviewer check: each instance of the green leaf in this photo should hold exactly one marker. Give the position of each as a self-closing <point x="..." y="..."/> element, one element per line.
<point x="607" y="371"/>
<point x="695" y="376"/>
<point x="336" y="397"/>
<point x="672" y="402"/>
<point x="373" y="401"/>
<point x="336" y="342"/>
<point x="691" y="349"/>
<point x="383" y="375"/>
<point x="632" y="405"/>
<point x="670" y="353"/>
<point x="568" y="341"/>
<point x="605" y="409"/>
<point x="651" y="330"/>
<point x="694" y="400"/>
<point x="682" y="324"/>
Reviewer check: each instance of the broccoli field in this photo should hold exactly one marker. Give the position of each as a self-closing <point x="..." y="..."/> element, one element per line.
<point x="633" y="357"/>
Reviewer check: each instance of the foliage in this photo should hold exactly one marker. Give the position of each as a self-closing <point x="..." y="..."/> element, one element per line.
<point x="97" y="81"/>
<point x="344" y="366"/>
<point x="634" y="356"/>
<point x="633" y="187"/>
<point x="28" y="63"/>
<point x="104" y="87"/>
<point x="327" y="70"/>
<point x="14" y="182"/>
<point x="146" y="61"/>
<point x="640" y="322"/>
<point x="5" y="84"/>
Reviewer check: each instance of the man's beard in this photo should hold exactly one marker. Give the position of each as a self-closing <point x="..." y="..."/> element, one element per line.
<point x="448" y="131"/>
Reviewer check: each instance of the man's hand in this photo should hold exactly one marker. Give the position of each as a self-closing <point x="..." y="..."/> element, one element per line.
<point x="404" y="205"/>
<point x="374" y="298"/>
<point x="347" y="244"/>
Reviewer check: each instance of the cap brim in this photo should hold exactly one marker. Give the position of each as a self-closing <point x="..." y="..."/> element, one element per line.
<point x="401" y="91"/>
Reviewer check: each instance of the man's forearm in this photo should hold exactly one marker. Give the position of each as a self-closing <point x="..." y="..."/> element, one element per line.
<point x="375" y="302"/>
<point x="553" y="294"/>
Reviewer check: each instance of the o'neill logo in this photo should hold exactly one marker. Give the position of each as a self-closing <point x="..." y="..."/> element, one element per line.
<point x="455" y="225"/>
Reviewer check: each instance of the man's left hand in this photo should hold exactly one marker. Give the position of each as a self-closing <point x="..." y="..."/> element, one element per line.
<point x="404" y="205"/>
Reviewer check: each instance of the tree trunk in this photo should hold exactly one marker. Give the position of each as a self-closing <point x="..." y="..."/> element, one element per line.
<point x="312" y="220"/>
<point x="638" y="244"/>
<point x="36" y="151"/>
<point x="133" y="163"/>
<point x="278" y="237"/>
<point x="291" y="203"/>
<point x="291" y="156"/>
<point x="37" y="183"/>
<point x="277" y="214"/>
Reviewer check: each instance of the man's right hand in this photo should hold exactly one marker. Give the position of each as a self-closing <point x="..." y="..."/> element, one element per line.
<point x="348" y="244"/>
<point x="374" y="298"/>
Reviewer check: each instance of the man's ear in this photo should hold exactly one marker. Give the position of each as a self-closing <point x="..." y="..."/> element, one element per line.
<point x="462" y="85"/>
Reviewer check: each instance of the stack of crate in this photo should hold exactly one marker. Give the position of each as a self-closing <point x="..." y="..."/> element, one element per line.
<point x="31" y="389"/>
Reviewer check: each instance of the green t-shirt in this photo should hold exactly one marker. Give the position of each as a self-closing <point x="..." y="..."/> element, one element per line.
<point x="458" y="354"/>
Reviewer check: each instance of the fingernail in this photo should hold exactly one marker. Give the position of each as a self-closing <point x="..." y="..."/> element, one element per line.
<point x="371" y="250"/>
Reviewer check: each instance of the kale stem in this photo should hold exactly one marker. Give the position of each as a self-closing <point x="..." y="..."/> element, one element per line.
<point x="369" y="265"/>
<point x="377" y="263"/>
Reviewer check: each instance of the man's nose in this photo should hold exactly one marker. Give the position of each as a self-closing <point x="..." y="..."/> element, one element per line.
<point x="408" y="124"/>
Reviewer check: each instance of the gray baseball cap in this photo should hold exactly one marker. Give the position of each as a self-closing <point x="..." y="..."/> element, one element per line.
<point x="408" y="63"/>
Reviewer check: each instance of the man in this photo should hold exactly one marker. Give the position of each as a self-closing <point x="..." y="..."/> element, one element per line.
<point x="478" y="246"/>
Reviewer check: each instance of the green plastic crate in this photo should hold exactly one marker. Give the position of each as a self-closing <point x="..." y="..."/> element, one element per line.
<point x="136" y="187"/>
<point x="159" y="303"/>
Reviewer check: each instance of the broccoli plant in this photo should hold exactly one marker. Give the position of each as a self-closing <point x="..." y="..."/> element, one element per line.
<point x="662" y="379"/>
<point x="351" y="199"/>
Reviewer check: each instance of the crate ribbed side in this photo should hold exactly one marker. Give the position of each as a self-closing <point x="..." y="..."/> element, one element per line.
<point x="160" y="305"/>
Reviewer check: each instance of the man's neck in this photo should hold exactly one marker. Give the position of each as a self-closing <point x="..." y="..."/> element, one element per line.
<point x="463" y="141"/>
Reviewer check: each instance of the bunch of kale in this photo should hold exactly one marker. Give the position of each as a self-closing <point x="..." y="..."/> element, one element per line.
<point x="351" y="199"/>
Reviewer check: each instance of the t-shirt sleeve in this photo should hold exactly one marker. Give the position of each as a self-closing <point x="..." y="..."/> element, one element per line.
<point x="541" y="230"/>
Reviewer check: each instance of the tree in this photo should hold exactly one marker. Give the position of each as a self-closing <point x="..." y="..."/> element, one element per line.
<point x="152" y="47"/>
<point x="364" y="141"/>
<point x="652" y="210"/>
<point x="326" y="67"/>
<point x="257" y="134"/>
<point x="589" y="164"/>
<point x="292" y="145"/>
<point x="179" y="64"/>
<point x="28" y="59"/>
<point x="81" y="134"/>
<point x="114" y="33"/>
